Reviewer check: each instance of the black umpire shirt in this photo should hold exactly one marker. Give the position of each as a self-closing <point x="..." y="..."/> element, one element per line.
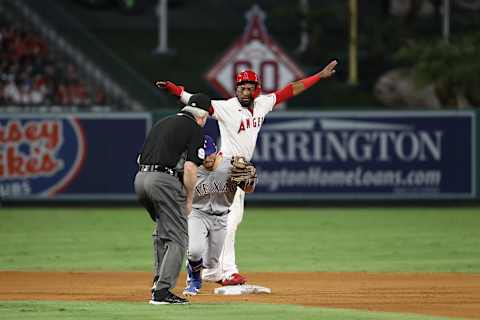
<point x="173" y="140"/>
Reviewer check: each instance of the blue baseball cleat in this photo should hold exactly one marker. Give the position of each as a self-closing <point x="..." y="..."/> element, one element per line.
<point x="192" y="288"/>
<point x="194" y="281"/>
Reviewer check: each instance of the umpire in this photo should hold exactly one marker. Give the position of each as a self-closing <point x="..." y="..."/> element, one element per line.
<point x="164" y="186"/>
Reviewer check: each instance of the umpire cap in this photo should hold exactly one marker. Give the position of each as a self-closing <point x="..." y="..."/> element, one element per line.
<point x="201" y="101"/>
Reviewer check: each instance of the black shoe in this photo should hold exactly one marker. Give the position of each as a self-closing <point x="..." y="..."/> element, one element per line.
<point x="166" y="297"/>
<point x="154" y="283"/>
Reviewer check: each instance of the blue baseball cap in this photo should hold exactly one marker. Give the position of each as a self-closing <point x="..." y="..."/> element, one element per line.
<point x="209" y="145"/>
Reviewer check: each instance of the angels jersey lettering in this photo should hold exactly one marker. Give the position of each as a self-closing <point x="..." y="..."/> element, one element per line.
<point x="248" y="123"/>
<point x="239" y="126"/>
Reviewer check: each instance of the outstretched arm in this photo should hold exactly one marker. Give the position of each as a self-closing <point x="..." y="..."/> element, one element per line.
<point x="297" y="87"/>
<point x="178" y="91"/>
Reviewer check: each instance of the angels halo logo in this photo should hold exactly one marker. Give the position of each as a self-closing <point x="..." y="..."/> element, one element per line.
<point x="39" y="156"/>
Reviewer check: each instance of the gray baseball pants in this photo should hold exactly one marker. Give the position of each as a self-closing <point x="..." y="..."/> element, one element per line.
<point x="206" y="237"/>
<point x="163" y="196"/>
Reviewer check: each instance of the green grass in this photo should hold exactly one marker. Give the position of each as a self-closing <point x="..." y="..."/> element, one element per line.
<point x="379" y="239"/>
<point x="75" y="239"/>
<point x="219" y="311"/>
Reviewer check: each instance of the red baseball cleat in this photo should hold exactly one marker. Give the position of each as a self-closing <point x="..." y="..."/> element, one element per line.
<point x="233" y="280"/>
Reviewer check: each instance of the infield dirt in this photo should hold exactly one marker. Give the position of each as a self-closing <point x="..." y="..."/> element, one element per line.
<point x="439" y="294"/>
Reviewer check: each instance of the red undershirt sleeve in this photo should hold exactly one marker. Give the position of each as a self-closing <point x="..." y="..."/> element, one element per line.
<point x="284" y="94"/>
<point x="310" y="81"/>
<point x="287" y="92"/>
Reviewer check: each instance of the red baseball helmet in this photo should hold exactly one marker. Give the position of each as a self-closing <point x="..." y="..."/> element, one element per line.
<point x="247" y="76"/>
<point x="250" y="76"/>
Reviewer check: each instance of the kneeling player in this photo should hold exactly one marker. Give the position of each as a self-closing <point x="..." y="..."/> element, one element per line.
<point x="207" y="223"/>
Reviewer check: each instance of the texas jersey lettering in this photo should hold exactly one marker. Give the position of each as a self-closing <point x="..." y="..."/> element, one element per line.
<point x="214" y="192"/>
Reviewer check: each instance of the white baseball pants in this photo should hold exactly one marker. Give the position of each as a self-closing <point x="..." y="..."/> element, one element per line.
<point x="227" y="265"/>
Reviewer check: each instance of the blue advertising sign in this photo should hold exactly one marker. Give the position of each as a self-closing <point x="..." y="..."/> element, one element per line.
<point x="74" y="156"/>
<point x="366" y="155"/>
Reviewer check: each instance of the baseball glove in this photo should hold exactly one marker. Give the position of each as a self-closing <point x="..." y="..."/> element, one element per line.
<point x="243" y="171"/>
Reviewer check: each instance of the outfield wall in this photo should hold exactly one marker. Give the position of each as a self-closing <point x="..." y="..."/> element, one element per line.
<point x="57" y="157"/>
<point x="300" y="156"/>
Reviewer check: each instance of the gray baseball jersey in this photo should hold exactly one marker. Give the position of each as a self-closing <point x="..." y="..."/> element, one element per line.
<point x="214" y="192"/>
<point x="207" y="224"/>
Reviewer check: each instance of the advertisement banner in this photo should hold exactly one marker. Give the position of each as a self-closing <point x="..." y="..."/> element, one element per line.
<point x="366" y="155"/>
<point x="70" y="156"/>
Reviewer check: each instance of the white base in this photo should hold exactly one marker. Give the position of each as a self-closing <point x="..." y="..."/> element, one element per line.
<point x="241" y="289"/>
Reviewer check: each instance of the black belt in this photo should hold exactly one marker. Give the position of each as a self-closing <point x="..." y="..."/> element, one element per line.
<point x="220" y="214"/>
<point x="158" y="168"/>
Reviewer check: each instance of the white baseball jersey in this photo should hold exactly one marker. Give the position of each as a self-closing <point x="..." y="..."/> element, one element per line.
<point x="239" y="126"/>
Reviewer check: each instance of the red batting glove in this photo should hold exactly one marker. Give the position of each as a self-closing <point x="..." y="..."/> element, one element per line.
<point x="170" y="87"/>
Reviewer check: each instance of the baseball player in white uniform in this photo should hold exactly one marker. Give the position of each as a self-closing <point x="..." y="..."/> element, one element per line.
<point x="207" y="224"/>
<point x="240" y="119"/>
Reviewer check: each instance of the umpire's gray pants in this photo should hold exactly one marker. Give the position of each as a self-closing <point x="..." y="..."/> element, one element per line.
<point x="163" y="196"/>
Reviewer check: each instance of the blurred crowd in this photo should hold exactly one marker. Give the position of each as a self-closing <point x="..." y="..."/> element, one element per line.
<point x="32" y="73"/>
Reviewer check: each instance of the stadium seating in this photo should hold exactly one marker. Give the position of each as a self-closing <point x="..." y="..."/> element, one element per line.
<point x="34" y="72"/>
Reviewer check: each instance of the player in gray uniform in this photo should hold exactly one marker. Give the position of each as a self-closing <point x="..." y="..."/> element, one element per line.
<point x="207" y="223"/>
